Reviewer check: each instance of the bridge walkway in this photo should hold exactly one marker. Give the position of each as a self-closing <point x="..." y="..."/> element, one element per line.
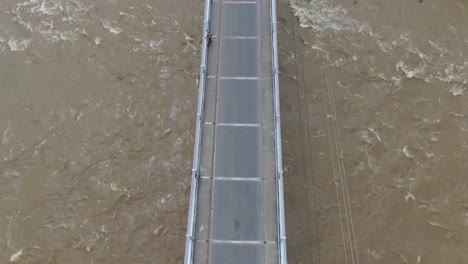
<point x="236" y="209"/>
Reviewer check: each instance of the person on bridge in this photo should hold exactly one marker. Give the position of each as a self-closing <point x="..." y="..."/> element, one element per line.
<point x="208" y="37"/>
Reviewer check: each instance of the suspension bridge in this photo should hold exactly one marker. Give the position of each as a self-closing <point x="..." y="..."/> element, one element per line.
<point x="236" y="212"/>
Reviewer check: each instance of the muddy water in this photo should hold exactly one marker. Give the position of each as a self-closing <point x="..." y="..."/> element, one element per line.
<point x="375" y="105"/>
<point x="96" y="129"/>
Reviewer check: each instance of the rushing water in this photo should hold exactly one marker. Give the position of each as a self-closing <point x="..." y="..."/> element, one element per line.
<point x="376" y="134"/>
<point x="97" y="104"/>
<point x="96" y="129"/>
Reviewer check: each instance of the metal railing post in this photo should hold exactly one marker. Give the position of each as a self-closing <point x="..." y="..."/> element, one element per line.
<point x="189" y="243"/>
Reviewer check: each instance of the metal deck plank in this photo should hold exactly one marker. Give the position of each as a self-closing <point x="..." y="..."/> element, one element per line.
<point x="239" y="58"/>
<point x="238" y="152"/>
<point x="240" y="20"/>
<point x="240" y="101"/>
<point x="237" y="211"/>
<point x="237" y="254"/>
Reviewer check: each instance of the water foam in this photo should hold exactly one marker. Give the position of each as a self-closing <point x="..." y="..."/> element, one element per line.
<point x="418" y="72"/>
<point x="431" y="62"/>
<point x="110" y="25"/>
<point x="2" y="44"/>
<point x="320" y="16"/>
<point x="15" y="257"/>
<point x="97" y="41"/>
<point x="50" y="7"/>
<point x="457" y="90"/>
<point x="60" y="23"/>
<point x="18" y="45"/>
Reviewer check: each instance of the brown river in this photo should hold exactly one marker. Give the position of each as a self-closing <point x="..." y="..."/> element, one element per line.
<point x="97" y="116"/>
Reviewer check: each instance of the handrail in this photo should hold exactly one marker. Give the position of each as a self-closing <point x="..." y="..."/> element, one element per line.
<point x="189" y="243"/>
<point x="279" y="160"/>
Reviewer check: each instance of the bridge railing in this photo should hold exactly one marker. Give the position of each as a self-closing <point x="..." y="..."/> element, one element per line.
<point x="278" y="146"/>
<point x="189" y="243"/>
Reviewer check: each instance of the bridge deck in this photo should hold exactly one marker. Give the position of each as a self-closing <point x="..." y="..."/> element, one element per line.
<point x="235" y="206"/>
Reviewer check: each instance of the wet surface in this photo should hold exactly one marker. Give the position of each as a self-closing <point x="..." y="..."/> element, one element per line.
<point x="97" y="104"/>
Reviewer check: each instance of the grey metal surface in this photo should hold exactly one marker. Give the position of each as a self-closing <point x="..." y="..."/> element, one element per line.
<point x="240" y="20"/>
<point x="237" y="184"/>
<point x="241" y="101"/>
<point x="237" y="254"/>
<point x="238" y="152"/>
<point x="238" y="211"/>
<point x="239" y="58"/>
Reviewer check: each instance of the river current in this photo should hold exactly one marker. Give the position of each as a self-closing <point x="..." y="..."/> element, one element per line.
<point x="97" y="116"/>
